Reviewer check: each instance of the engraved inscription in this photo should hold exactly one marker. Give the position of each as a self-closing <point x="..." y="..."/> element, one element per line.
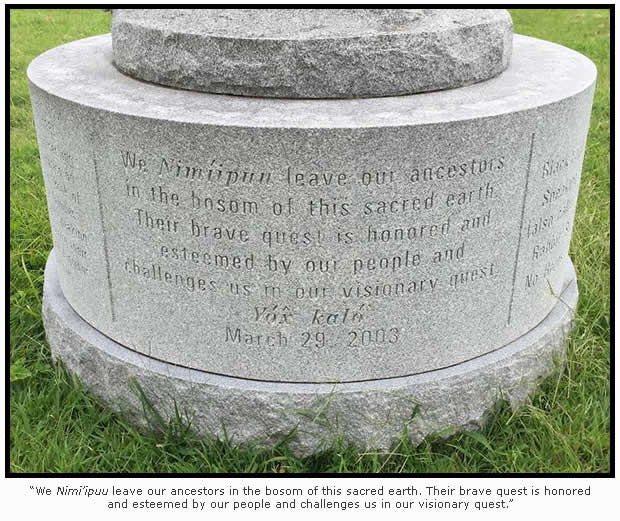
<point x="213" y="231"/>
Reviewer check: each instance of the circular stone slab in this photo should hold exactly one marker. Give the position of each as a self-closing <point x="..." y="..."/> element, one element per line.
<point x="310" y="416"/>
<point x="186" y="232"/>
<point x="322" y="241"/>
<point x="312" y="53"/>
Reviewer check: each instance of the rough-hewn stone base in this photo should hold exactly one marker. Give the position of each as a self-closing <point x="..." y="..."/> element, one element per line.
<point x="312" y="53"/>
<point x="370" y="414"/>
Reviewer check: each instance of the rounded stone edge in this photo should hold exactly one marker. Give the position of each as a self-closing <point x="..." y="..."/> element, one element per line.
<point x="62" y="71"/>
<point x="311" y="417"/>
<point x="332" y="68"/>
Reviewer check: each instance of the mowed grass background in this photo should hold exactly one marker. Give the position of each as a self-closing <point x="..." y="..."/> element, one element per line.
<point x="56" y="427"/>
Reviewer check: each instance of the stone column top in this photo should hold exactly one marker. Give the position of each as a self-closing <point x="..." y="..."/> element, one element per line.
<point x="312" y="53"/>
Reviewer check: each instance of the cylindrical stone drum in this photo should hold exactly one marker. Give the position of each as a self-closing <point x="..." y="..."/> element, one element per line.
<point x="266" y="255"/>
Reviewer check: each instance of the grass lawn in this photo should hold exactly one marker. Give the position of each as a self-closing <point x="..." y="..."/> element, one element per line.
<point x="55" y="427"/>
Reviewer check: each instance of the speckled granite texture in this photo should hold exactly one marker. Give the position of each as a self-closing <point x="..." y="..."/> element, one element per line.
<point x="370" y="414"/>
<point x="312" y="53"/>
<point x="314" y="241"/>
<point x="323" y="266"/>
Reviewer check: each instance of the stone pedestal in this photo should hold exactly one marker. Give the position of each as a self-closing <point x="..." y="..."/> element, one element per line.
<point x="324" y="265"/>
<point x="312" y="53"/>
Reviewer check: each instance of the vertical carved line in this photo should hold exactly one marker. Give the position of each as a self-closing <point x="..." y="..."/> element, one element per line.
<point x="105" y="240"/>
<point x="514" y="272"/>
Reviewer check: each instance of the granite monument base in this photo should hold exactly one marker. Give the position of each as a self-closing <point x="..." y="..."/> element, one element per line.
<point x="372" y="414"/>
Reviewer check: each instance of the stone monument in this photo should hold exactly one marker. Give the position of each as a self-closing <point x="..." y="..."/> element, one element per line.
<point x="318" y="222"/>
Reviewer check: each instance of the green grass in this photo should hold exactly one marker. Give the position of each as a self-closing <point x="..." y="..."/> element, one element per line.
<point x="56" y="427"/>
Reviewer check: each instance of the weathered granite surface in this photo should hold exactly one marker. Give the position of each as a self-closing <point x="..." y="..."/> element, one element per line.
<point x="312" y="240"/>
<point x="311" y="416"/>
<point x="333" y="267"/>
<point x="312" y="53"/>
